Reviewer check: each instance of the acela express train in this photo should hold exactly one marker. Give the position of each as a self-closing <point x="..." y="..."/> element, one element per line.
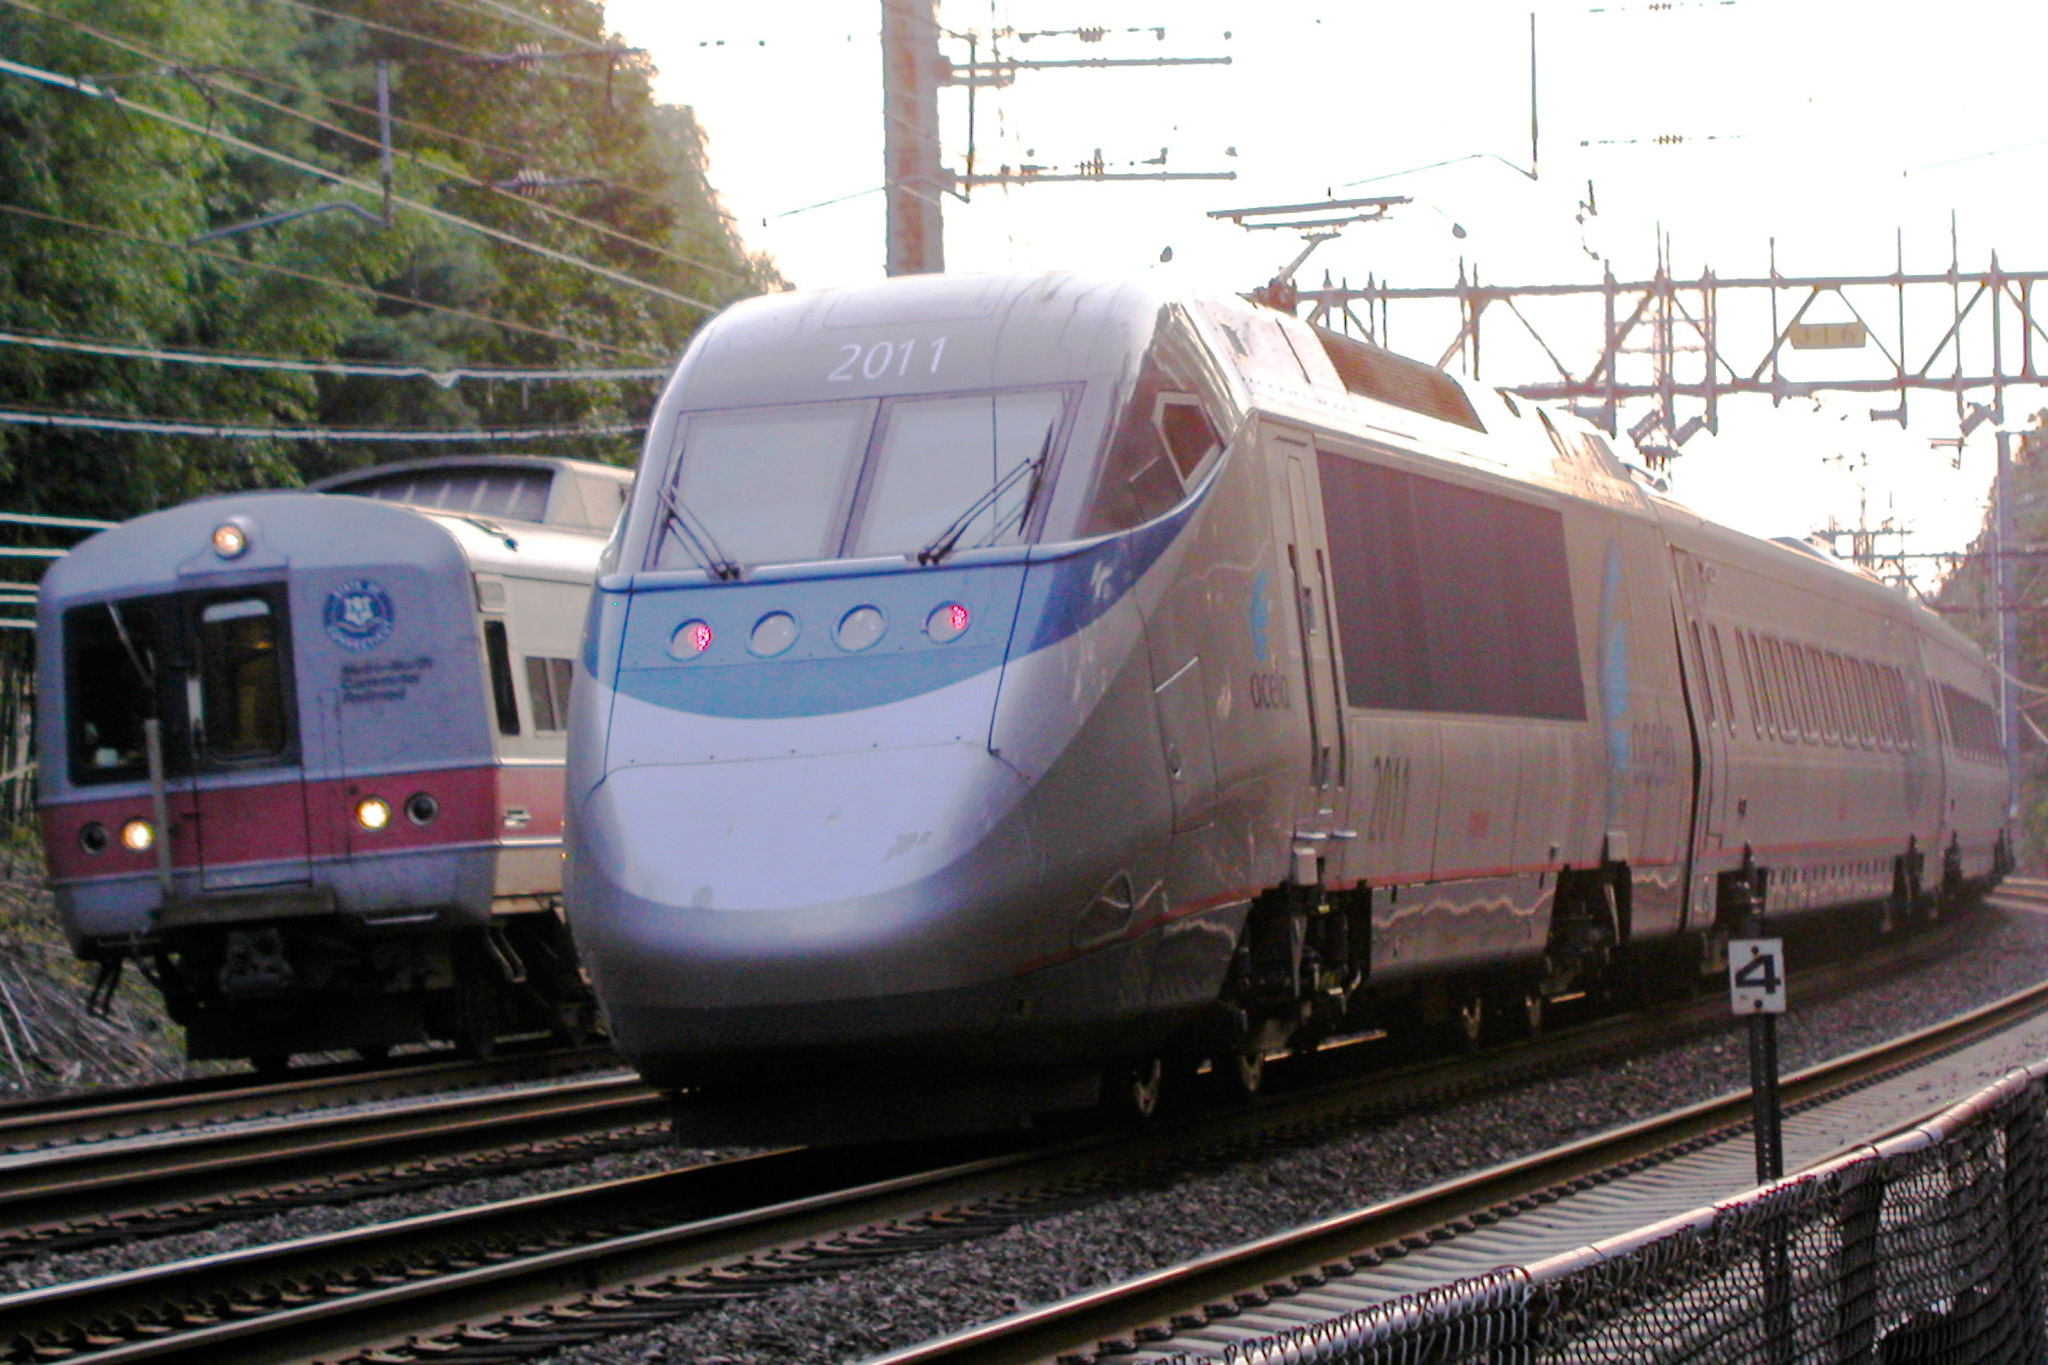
<point x="1008" y="687"/>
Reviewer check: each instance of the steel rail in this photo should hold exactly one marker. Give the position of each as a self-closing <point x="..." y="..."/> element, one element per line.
<point x="115" y="1182"/>
<point x="169" y="1105"/>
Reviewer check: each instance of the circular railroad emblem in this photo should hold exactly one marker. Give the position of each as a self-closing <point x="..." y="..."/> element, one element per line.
<point x="358" y="615"/>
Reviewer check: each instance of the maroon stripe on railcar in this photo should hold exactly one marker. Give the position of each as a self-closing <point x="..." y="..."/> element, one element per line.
<point x="281" y="821"/>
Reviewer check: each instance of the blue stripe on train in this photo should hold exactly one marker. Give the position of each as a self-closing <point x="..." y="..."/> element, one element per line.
<point x="1037" y="603"/>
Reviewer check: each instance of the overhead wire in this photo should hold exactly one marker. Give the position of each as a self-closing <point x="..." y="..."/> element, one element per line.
<point x="179" y="65"/>
<point x="162" y="426"/>
<point x="443" y="375"/>
<point x="73" y="83"/>
<point x="415" y="159"/>
<point x="468" y="54"/>
<point x="432" y="129"/>
<point x="367" y="291"/>
<point x="516" y="16"/>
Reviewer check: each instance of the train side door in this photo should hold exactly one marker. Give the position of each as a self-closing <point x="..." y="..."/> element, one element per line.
<point x="1308" y="577"/>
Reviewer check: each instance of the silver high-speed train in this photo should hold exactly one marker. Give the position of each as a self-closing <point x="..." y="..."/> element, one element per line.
<point x="998" y="685"/>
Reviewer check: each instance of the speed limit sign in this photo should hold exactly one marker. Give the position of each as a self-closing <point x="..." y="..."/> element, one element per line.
<point x="1756" y="975"/>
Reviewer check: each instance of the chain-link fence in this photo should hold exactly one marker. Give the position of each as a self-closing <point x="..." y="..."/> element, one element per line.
<point x="1925" y="1248"/>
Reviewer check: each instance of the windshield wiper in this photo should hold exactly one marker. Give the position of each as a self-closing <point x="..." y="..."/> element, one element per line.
<point x="947" y="540"/>
<point x="697" y="536"/>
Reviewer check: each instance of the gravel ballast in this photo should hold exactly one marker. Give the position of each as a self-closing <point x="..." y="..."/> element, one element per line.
<point x="905" y="1300"/>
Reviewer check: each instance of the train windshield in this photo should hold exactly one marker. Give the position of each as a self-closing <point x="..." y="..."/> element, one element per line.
<point x="112" y="663"/>
<point x="917" y="476"/>
<point x="213" y="670"/>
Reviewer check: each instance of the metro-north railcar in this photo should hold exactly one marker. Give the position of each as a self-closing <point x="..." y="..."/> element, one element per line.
<point x="300" y="754"/>
<point x="1002" y="688"/>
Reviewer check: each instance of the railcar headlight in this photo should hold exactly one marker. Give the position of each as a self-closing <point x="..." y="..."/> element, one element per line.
<point x="773" y="634"/>
<point x="373" y="813"/>
<point x="93" y="838"/>
<point x="948" y="621"/>
<point x="421" y="808"/>
<point x="859" y="628"/>
<point x="137" y="836"/>
<point x="229" y="540"/>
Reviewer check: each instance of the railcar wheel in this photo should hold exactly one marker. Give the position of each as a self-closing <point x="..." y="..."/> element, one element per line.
<point x="376" y="1054"/>
<point x="1134" y="1090"/>
<point x="1467" y="1024"/>
<point x="271" y="1066"/>
<point x="1244" y="1073"/>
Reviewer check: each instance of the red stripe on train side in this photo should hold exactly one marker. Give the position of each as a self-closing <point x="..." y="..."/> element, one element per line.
<point x="288" y="820"/>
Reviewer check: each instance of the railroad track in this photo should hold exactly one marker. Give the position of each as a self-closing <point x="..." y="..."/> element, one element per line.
<point x="499" y="1282"/>
<point x="158" y="1163"/>
<point x="169" y="1106"/>
<point x="1606" y="1185"/>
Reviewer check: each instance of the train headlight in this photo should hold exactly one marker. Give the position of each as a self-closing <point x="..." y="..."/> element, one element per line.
<point x="229" y="540"/>
<point x="772" y="634"/>
<point x="947" y="622"/>
<point x="421" y="808"/>
<point x="373" y="813"/>
<point x="859" y="628"/>
<point x="137" y="836"/>
<point x="93" y="838"/>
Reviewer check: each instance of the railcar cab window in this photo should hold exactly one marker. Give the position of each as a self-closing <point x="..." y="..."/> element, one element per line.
<point x="110" y="660"/>
<point x="214" y="669"/>
<point x="916" y="476"/>
<point x="1170" y="429"/>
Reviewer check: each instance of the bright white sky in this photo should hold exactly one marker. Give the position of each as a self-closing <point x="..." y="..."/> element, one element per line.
<point x="1827" y="124"/>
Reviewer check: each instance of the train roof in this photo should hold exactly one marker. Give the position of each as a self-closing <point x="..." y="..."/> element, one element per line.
<point x="173" y="549"/>
<point x="543" y="490"/>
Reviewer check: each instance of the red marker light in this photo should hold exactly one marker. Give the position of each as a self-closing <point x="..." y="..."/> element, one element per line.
<point x="691" y="639"/>
<point x="947" y="622"/>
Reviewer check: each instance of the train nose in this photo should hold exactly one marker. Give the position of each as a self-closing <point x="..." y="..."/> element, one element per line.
<point x="702" y="889"/>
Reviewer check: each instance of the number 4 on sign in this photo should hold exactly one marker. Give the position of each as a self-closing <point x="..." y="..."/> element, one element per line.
<point x="1756" y="975"/>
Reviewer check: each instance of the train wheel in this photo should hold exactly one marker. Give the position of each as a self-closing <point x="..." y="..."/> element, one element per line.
<point x="1466" y="1028"/>
<point x="1520" y="1013"/>
<point x="374" y="1053"/>
<point x="1244" y="1073"/>
<point x="476" y="1024"/>
<point x="271" y="1066"/>
<point x="1134" y="1090"/>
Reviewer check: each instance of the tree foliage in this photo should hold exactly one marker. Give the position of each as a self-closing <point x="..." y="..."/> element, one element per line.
<point x="1969" y="603"/>
<point x="519" y="115"/>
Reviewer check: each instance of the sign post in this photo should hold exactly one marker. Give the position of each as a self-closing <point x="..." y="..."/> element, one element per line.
<point x="1756" y="989"/>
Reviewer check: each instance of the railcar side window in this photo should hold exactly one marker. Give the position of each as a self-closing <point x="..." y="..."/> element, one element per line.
<point x="242" y="686"/>
<point x="1448" y="598"/>
<point x="111" y="656"/>
<point x="498" y="653"/>
<point x="547" y="687"/>
<point x="1972" y="724"/>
